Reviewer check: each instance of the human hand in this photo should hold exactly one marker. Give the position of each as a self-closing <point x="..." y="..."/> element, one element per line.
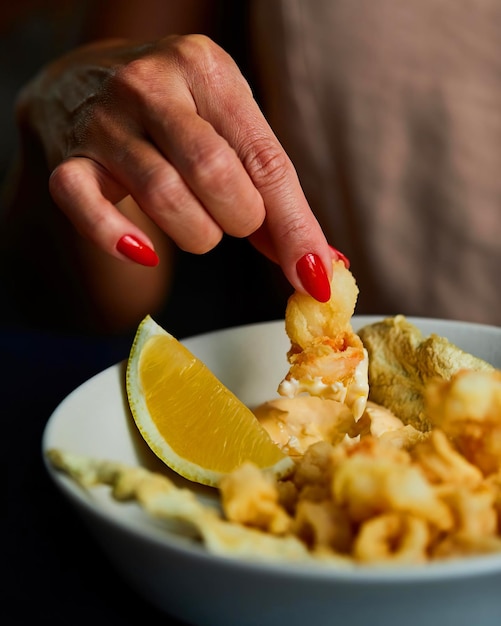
<point x="172" y="124"/>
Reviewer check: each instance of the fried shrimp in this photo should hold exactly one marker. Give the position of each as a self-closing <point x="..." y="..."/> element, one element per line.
<point x="327" y="358"/>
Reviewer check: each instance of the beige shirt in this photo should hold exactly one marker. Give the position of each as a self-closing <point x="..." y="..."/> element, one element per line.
<point x="391" y="112"/>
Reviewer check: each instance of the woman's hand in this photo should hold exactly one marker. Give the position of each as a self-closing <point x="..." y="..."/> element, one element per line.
<point x="172" y="124"/>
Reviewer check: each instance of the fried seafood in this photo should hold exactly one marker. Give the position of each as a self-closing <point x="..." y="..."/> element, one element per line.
<point x="472" y="509"/>
<point x="468" y="408"/>
<point x="360" y="500"/>
<point x="384" y="425"/>
<point x="393" y="538"/>
<point x="386" y="493"/>
<point x="250" y="497"/>
<point x="326" y="357"/>
<point x="494" y="484"/>
<point x="477" y="522"/>
<point x="402" y="362"/>
<point x="442" y="463"/>
<point x="381" y="481"/>
<point x="324" y="527"/>
<point x="164" y="501"/>
<point x="415" y="480"/>
<point x="461" y="545"/>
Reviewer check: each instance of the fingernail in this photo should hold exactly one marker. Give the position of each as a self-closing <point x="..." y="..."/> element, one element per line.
<point x="339" y="256"/>
<point x="313" y="276"/>
<point x="137" y="251"/>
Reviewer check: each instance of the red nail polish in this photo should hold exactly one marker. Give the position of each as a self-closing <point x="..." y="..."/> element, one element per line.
<point x="339" y="256"/>
<point x="137" y="251"/>
<point x="312" y="274"/>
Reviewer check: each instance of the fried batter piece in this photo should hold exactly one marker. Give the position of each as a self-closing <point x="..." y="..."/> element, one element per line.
<point x="393" y="538"/>
<point x="378" y="478"/>
<point x="442" y="463"/>
<point x="464" y="545"/>
<point x="250" y="497"/>
<point x="468" y="409"/>
<point x="494" y="483"/>
<point x="164" y="501"/>
<point x="326" y="357"/>
<point x="402" y="362"/>
<point x="384" y="425"/>
<point x="323" y="526"/>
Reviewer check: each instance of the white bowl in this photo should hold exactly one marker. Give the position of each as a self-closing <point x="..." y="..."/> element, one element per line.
<point x="181" y="578"/>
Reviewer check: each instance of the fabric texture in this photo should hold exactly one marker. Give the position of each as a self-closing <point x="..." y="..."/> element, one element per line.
<point x="391" y="113"/>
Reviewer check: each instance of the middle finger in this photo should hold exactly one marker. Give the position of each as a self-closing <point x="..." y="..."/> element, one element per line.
<point x="162" y="193"/>
<point x="210" y="168"/>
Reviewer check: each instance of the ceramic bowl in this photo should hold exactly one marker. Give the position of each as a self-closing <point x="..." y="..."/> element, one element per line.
<point x="179" y="576"/>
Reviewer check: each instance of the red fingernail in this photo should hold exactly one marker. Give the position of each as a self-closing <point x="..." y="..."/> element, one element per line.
<point x="312" y="274"/>
<point x="339" y="256"/>
<point x="137" y="251"/>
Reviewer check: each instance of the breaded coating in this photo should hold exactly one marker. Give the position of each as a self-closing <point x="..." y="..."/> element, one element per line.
<point x="251" y="498"/>
<point x="307" y="319"/>
<point x="402" y="362"/>
<point x="164" y="501"/>
<point x="467" y="407"/>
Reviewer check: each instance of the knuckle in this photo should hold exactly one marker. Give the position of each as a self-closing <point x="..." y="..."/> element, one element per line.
<point x="133" y="80"/>
<point x="165" y="197"/>
<point x="191" y="46"/>
<point x="248" y="222"/>
<point x="197" y="50"/>
<point x="214" y="67"/>
<point x="216" y="171"/>
<point x="63" y="180"/>
<point x="130" y="84"/>
<point x="163" y="189"/>
<point x="293" y="225"/>
<point x="267" y="164"/>
<point x="206" y="241"/>
<point x="99" y="224"/>
<point x="214" y="167"/>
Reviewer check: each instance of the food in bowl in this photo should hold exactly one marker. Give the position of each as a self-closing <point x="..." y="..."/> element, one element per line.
<point x="402" y="362"/>
<point x="374" y="489"/>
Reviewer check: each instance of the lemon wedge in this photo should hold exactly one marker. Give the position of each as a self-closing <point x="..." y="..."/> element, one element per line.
<point x="189" y="419"/>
